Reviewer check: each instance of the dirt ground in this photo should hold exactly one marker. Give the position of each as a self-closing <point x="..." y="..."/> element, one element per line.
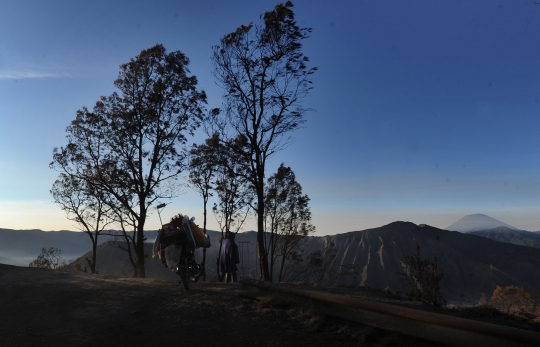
<point x="40" y="307"/>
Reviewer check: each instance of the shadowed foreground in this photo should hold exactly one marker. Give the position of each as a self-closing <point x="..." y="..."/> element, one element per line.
<point x="51" y="308"/>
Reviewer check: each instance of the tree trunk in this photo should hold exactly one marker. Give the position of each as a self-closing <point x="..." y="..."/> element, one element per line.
<point x="92" y="261"/>
<point x="272" y="249"/>
<point x="203" y="263"/>
<point x="283" y="260"/>
<point x="263" y="255"/>
<point x="94" y="255"/>
<point x="139" y="247"/>
<point x="218" y="261"/>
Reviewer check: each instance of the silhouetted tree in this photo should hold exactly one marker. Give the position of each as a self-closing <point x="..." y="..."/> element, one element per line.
<point x="288" y="218"/>
<point x="125" y="239"/>
<point x="132" y="144"/>
<point x="422" y="276"/>
<point x="202" y="169"/>
<point x="234" y="192"/>
<point x="85" y="206"/>
<point x="48" y="259"/>
<point x="265" y="77"/>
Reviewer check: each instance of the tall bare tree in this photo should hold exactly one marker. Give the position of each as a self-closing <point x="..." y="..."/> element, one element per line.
<point x="85" y="206"/>
<point x="133" y="144"/>
<point x="265" y="77"/>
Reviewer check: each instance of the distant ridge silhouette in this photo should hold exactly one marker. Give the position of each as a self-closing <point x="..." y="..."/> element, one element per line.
<point x="477" y="222"/>
<point x="516" y="237"/>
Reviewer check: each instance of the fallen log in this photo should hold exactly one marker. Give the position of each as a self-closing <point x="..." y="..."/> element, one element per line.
<point x="436" y="327"/>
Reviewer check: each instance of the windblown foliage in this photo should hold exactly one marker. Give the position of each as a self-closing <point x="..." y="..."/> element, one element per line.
<point x="264" y="76"/>
<point x="131" y="146"/>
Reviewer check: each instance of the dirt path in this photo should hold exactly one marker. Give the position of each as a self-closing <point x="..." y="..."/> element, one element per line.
<point x="50" y="308"/>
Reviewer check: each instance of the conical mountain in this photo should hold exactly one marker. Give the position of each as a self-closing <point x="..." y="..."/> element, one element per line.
<point x="477" y="222"/>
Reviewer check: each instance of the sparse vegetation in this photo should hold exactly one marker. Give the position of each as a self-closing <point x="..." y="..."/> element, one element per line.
<point x="79" y="267"/>
<point x="48" y="259"/>
<point x="422" y="278"/>
<point x="513" y="300"/>
<point x="314" y="268"/>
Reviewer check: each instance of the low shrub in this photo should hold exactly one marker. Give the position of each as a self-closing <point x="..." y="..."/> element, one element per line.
<point x="513" y="300"/>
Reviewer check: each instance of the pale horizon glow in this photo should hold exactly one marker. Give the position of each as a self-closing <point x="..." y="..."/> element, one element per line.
<point x="46" y="216"/>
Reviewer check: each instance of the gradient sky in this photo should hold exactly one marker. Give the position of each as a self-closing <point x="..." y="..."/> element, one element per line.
<point x="424" y="111"/>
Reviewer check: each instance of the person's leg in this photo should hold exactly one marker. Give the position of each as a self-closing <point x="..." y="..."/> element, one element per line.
<point x="228" y="277"/>
<point x="234" y="277"/>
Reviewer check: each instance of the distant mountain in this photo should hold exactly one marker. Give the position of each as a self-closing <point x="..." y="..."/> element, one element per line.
<point x="516" y="237"/>
<point x="471" y="264"/>
<point x="477" y="222"/>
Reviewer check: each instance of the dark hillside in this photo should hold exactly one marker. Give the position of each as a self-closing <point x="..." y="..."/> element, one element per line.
<point x="472" y="265"/>
<point x="516" y="237"/>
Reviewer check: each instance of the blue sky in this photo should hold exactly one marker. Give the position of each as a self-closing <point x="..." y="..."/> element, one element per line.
<point x="424" y="111"/>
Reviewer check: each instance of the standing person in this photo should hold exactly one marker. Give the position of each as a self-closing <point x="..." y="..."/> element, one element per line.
<point x="229" y="257"/>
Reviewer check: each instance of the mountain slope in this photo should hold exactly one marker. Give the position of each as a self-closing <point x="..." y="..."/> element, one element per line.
<point x="472" y="265"/>
<point x="477" y="222"/>
<point x="516" y="237"/>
